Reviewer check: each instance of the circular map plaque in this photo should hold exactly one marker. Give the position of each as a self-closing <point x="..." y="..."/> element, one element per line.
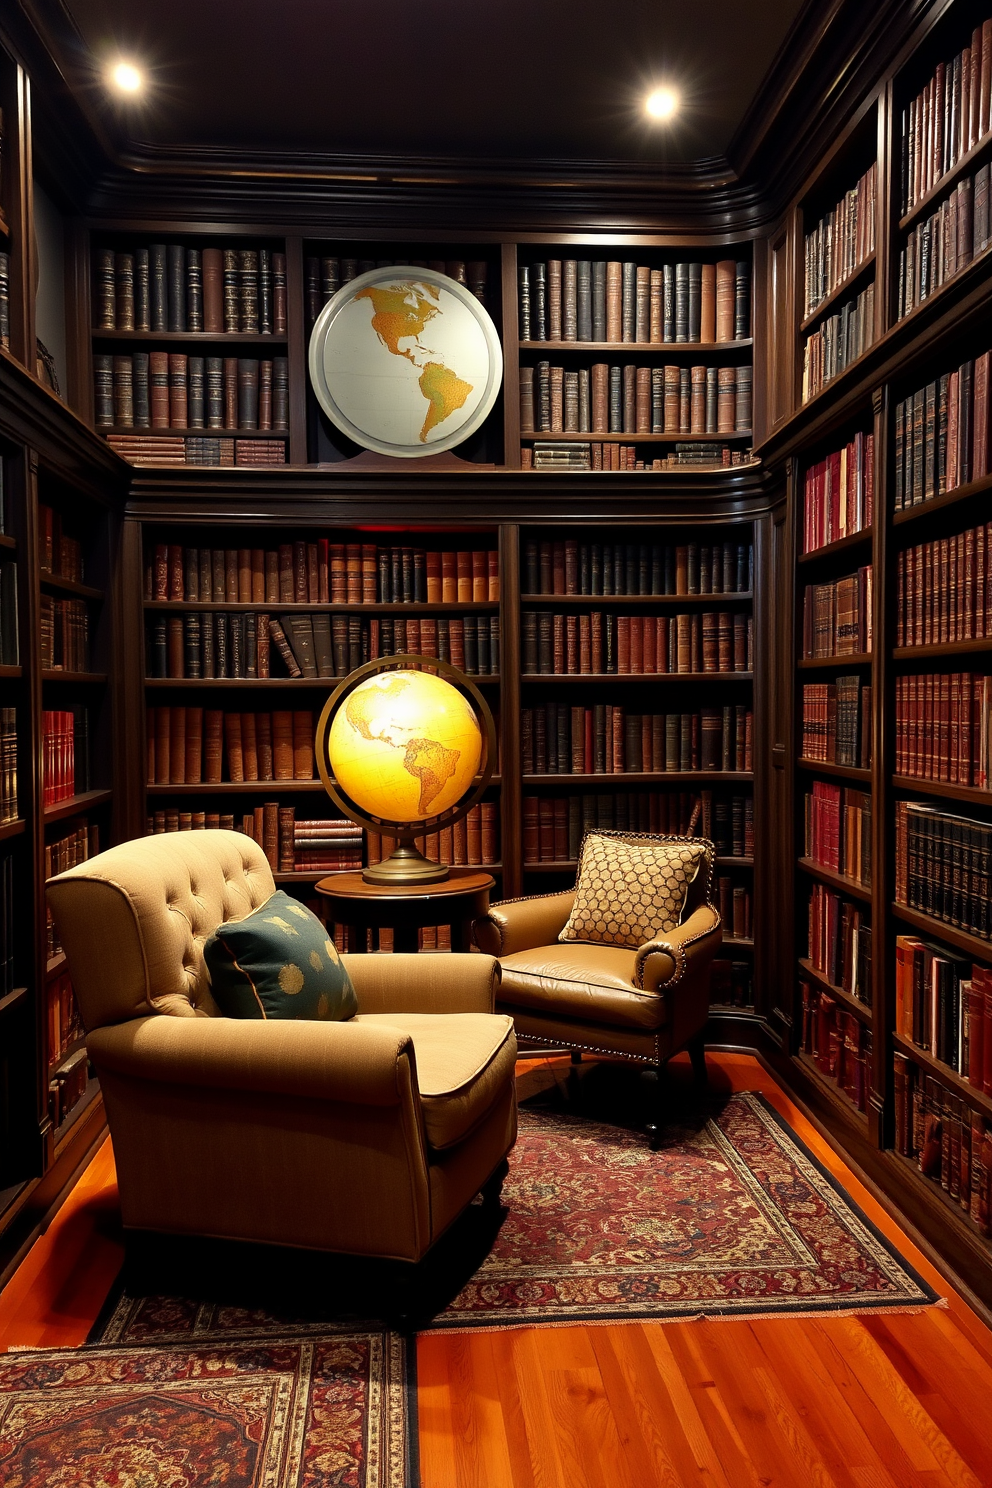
<point x="405" y="361"/>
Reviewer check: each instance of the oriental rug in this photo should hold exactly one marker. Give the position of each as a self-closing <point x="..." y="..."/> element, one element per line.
<point x="286" y="1413"/>
<point x="732" y="1217"/>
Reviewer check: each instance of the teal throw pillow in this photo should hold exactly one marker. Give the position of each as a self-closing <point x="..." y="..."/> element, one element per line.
<point x="280" y="962"/>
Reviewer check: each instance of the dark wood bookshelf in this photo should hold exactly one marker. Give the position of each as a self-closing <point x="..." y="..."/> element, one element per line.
<point x="182" y="432"/>
<point x="861" y="539"/>
<point x="948" y="179"/>
<point x="636" y="677"/>
<point x="846" y="999"/>
<point x="69" y="586"/>
<point x="566" y="601"/>
<point x="12" y="828"/>
<point x="976" y="1099"/>
<point x="818" y="663"/>
<point x="936" y="505"/>
<point x="10" y="673"/>
<point x="8" y="543"/>
<point x="199" y="338"/>
<point x="404" y="607"/>
<point x="598" y="436"/>
<point x="838" y="881"/>
<point x="835" y="772"/>
<point x="656" y="348"/>
<point x="830" y="1088"/>
<point x="962" y="940"/>
<point x="977" y="795"/>
<point x="956" y="1214"/>
<point x="943" y="648"/>
<point x="238" y="788"/>
<point x="270" y="683"/>
<point x="77" y="805"/>
<point x="645" y="777"/>
<point x="89" y="679"/>
<point x="836" y="296"/>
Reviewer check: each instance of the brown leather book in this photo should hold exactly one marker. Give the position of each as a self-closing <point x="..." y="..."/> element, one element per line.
<point x="176" y="574"/>
<point x="270" y="833"/>
<point x="707" y="303"/>
<point x="596" y="642"/>
<point x="303" y="744"/>
<point x="614" y="301"/>
<point x="473" y="835"/>
<point x="265" y="394"/>
<point x="158" y="387"/>
<point x="232" y="740"/>
<point x="554" y="299"/>
<point x="726" y="407"/>
<point x="672" y="398"/>
<point x="683" y="626"/>
<point x="286" y="591"/>
<point x="637" y="644"/>
<point x="569" y="300"/>
<point x="697" y="411"/>
<point x="213" y="290"/>
<point x="449" y="577"/>
<point x="557" y="400"/>
<point x="263" y="745"/>
<point x="480" y="575"/>
<point x="353" y="573"/>
<point x="163" y="727"/>
<point x="194" y="746"/>
<point x="231" y="575"/>
<point x="370" y="573"/>
<point x="629" y="398"/>
<point x="571" y="643"/>
<point x="643" y="400"/>
<point x="656" y="309"/>
<point x="600" y="397"/>
<point x="278" y="635"/>
<point x="558" y="661"/>
<point x="463" y="571"/>
<point x="178" y="402"/>
<point x="282" y="745"/>
<point x="177" y="745"/>
<point x="301" y="587"/>
<point x="257" y="576"/>
<point x="213" y="745"/>
<point x="623" y="643"/>
<point x="230" y="392"/>
<point x="249" y="748"/>
<point x="175" y="646"/>
<point x="642" y="305"/>
<point x="489" y="813"/>
<point x="526" y="400"/>
<point x="726" y="282"/>
<point x="285" y="851"/>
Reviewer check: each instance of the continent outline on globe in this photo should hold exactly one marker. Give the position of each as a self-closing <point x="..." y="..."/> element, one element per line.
<point x="370" y="405"/>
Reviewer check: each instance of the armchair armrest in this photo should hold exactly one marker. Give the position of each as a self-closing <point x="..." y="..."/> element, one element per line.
<point x="350" y="1062"/>
<point x="522" y="924"/>
<point x="424" y="984"/>
<point x="661" y="964"/>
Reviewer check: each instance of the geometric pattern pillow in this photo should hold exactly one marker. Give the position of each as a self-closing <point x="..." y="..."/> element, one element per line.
<point x="628" y="891"/>
<point x="278" y="963"/>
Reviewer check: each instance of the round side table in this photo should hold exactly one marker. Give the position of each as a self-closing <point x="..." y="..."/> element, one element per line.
<point x="456" y="901"/>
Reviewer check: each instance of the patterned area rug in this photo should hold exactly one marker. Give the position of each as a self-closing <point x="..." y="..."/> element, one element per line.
<point x="272" y="1414"/>
<point x="733" y="1216"/>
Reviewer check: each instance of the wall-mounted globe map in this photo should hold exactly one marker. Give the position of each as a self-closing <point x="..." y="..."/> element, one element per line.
<point x="405" y="361"/>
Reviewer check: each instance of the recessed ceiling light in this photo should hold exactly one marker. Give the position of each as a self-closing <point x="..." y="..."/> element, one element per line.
<point x="126" y="78"/>
<point x="662" y="103"/>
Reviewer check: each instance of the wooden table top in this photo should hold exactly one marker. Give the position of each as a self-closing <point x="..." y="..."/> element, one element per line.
<point x="353" y="886"/>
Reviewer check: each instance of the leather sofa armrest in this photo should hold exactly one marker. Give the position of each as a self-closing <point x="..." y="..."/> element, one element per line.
<point x="522" y="924"/>
<point x="660" y="965"/>
<point x="424" y="984"/>
<point x="349" y="1062"/>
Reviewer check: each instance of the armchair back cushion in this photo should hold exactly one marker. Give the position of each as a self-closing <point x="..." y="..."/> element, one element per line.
<point x="147" y="908"/>
<point x="278" y="962"/>
<point x="632" y="887"/>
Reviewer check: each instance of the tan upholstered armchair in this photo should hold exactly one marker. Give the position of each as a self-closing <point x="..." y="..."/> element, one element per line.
<point x="644" y="1005"/>
<point x="368" y="1136"/>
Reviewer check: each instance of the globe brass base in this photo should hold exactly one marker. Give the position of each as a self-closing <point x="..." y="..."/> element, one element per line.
<point x="406" y="864"/>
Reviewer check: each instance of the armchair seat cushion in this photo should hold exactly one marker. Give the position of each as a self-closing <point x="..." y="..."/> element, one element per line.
<point x="464" y="1061"/>
<point x="591" y="983"/>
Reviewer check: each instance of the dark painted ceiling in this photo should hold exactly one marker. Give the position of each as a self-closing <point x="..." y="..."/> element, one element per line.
<point x="517" y="79"/>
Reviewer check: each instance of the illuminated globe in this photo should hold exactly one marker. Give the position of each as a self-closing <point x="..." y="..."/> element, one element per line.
<point x="405" y="746"/>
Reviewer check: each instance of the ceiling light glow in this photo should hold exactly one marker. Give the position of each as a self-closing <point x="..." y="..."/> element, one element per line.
<point x="126" y="78"/>
<point x="662" y="103"/>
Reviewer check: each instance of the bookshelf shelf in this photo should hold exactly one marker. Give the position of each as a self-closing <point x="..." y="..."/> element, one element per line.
<point x="956" y="1214"/>
<point x="836" y="772"/>
<point x="634" y="677"/>
<point x="975" y="794"/>
<point x="238" y="788"/>
<point x="197" y="338"/>
<point x="949" y="178"/>
<point x="13" y="999"/>
<point x="599" y="437"/>
<point x="74" y="1047"/>
<point x="851" y="1003"/>
<point x="89" y="679"/>
<point x="9" y="673"/>
<point x="972" y="945"/>
<point x="830" y="1088"/>
<point x="937" y="504"/>
<point x="835" y="296"/>
<point x="202" y="432"/>
<point x="842" y="545"/>
<point x="7" y="543"/>
<point x="744" y="596"/>
<point x="817" y="663"/>
<point x="977" y="1099"/>
<point x="653" y="348"/>
<point x="645" y="777"/>
<point x="838" y="881"/>
<point x="69" y="586"/>
<point x="561" y="865"/>
<point x="89" y="1097"/>
<point x="944" y="648"/>
<point x="75" y="805"/>
<point x="279" y="606"/>
<point x="13" y="828"/>
<point x="270" y="683"/>
<point x="739" y="942"/>
<point x="55" y="965"/>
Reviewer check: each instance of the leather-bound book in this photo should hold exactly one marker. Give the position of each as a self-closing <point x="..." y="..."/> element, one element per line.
<point x="236" y="644"/>
<point x="265" y="394"/>
<point x="212" y="261"/>
<point x="600" y="397"/>
<point x="526" y="400"/>
<point x="742" y="300"/>
<point x="177" y="746"/>
<point x="685" y="401"/>
<point x="194" y="746"/>
<point x="178" y="399"/>
<point x="176" y="286"/>
<point x="142" y="291"/>
<point x="214" y="392"/>
<point x="489" y="812"/>
<point x="303" y="744"/>
<point x="694" y="309"/>
<point x="233" y="746"/>
<point x="697" y="413"/>
<point x="570" y="402"/>
<point x="124" y="291"/>
<point x="282" y="745"/>
<point x="158" y="377"/>
<point x="299" y="630"/>
<point x="569" y="300"/>
<point x="192" y="654"/>
<point x="278" y="636"/>
<point x="243" y="560"/>
<point x="523" y="302"/>
<point x="583" y="300"/>
<point x="707" y="303"/>
<point x="682" y="302"/>
<point x="614" y="301"/>
<point x="554" y="303"/>
<point x="265" y="291"/>
<point x="140" y="390"/>
<point x="159" y="294"/>
<point x="163" y="751"/>
<point x="209" y="643"/>
<point x="539" y="302"/>
<point x="263" y="645"/>
<point x="628" y="302"/>
<point x="642" y="399"/>
<point x="279" y="322"/>
<point x="247" y="392"/>
<point x="598" y="277"/>
<point x="248" y="291"/>
<point x="726" y="400"/>
<point x="123" y="392"/>
<point x="249" y="749"/>
<point x="175" y="646"/>
<point x="642" y="304"/>
<point x="232" y="294"/>
<point x="980" y="418"/>
<point x="194" y="290"/>
<point x="231" y="392"/>
<point x="711" y="400"/>
<point x="103" y="391"/>
<point x="726" y="277"/>
<point x="313" y="573"/>
<point x="742" y="400"/>
<point x="104" y="290"/>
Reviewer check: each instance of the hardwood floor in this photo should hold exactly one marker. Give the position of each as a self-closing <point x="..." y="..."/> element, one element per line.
<point x="885" y="1401"/>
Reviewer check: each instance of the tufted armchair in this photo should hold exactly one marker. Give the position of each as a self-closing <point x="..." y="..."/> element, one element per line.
<point x="643" y="1005"/>
<point x="368" y="1136"/>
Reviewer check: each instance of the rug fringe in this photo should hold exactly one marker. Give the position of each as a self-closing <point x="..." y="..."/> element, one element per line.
<point x="907" y="1309"/>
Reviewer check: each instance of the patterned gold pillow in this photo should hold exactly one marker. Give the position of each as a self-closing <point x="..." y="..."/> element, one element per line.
<point x="628" y="891"/>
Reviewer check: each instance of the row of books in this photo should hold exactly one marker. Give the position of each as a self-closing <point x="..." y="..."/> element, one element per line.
<point x="951" y="1143"/>
<point x="731" y="983"/>
<point x="555" y="825"/>
<point x="67" y="1086"/>
<point x="171" y="390"/>
<point x="9" y="648"/>
<point x="7" y="931"/>
<point x="322" y="572"/>
<point x="837" y="825"/>
<point x="196" y="449"/>
<point x="839" y="943"/>
<point x="217" y="644"/>
<point x="578" y="455"/>
<point x="944" y="589"/>
<point x="8" y="764"/>
<point x="734" y="903"/>
<point x="305" y="846"/>
<point x="838" y="341"/>
<point x="474" y="839"/>
<point x="58" y="554"/>
<point x="838" y="1042"/>
<point x="324" y="276"/>
<point x="65" y="754"/>
<point x="573" y="567"/>
<point x="837" y="618"/>
<point x="945" y="242"/>
<point x="576" y="300"/>
<point x="604" y="399"/>
<point x="837" y="722"/>
<point x="943" y="865"/>
<point x="558" y="739"/>
<point x="187" y="746"/>
<point x="65" y="852"/>
<point x="170" y="287"/>
<point x="944" y="1005"/>
<point x="5" y="300"/>
<point x="65" y="1026"/>
<point x="597" y="643"/>
<point x="942" y="434"/>
<point x="839" y="493"/>
<point x="840" y="241"/>
<point x="64" y="634"/>
<point x="942" y="727"/>
<point x="947" y="118"/>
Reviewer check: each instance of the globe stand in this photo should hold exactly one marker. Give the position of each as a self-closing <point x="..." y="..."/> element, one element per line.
<point x="406" y="864"/>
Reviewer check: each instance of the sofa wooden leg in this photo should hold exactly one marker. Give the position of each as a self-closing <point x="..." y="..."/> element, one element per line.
<point x="493" y="1186"/>
<point x="652" y="1082"/>
<point x="697" y="1056"/>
